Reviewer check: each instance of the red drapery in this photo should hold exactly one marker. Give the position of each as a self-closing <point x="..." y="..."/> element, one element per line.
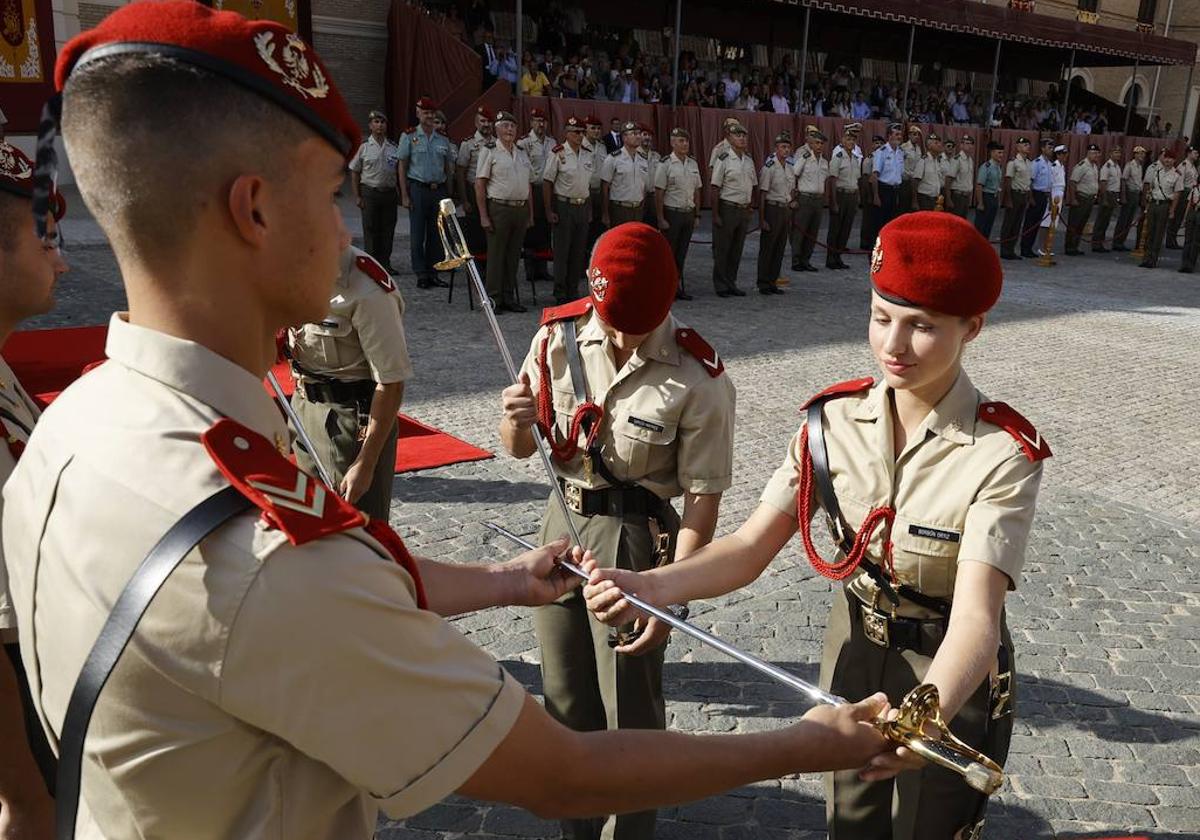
<point x="448" y="70"/>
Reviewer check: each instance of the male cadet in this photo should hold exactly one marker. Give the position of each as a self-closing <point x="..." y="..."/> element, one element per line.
<point x="625" y="175"/>
<point x="733" y="181"/>
<point x="811" y="171"/>
<point x="1131" y="192"/>
<point x="292" y="676"/>
<point x="29" y="268"/>
<point x="960" y="178"/>
<point x="425" y="168"/>
<point x="1187" y="170"/>
<point x="724" y="144"/>
<point x="845" y="173"/>
<point x="1109" y="197"/>
<point x="653" y="158"/>
<point x="537" y="144"/>
<point x="775" y="188"/>
<point x="1191" y="241"/>
<point x="1014" y="199"/>
<point x="373" y="181"/>
<point x="927" y="176"/>
<point x="887" y="172"/>
<point x="613" y="366"/>
<point x="1041" y="185"/>
<point x="595" y="143"/>
<point x="465" y="171"/>
<point x="504" y="192"/>
<point x="350" y="368"/>
<point x="987" y="189"/>
<point x="914" y="151"/>
<point x="867" y="231"/>
<point x="1160" y="195"/>
<point x="566" y="177"/>
<point x="677" y="185"/>
<point x="1082" y="187"/>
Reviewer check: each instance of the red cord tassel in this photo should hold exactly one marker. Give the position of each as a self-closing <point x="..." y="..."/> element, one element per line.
<point x="563" y="450"/>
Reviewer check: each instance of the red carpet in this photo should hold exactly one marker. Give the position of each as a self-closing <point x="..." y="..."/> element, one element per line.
<point x="47" y="361"/>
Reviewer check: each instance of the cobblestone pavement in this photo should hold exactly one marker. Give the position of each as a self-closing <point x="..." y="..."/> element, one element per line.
<point x="1100" y="355"/>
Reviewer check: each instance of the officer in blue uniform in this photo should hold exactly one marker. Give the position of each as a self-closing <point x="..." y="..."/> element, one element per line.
<point x="426" y="163"/>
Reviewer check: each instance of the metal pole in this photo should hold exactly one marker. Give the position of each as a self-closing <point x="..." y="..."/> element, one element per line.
<point x="804" y="55"/>
<point x="1158" y="69"/>
<point x="300" y="430"/>
<point x="1067" y="92"/>
<point x="995" y="84"/>
<point x="520" y="48"/>
<point x="1132" y="89"/>
<point x="912" y="36"/>
<point x="678" y="36"/>
<point x="1187" y="98"/>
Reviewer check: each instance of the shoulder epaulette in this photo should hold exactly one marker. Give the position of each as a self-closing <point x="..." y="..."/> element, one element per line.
<point x="616" y="153"/>
<point x="710" y="360"/>
<point x="573" y="309"/>
<point x="489" y="144"/>
<point x="643" y="153"/>
<point x="807" y="153"/>
<point x="411" y="130"/>
<point x="723" y="155"/>
<point x="842" y="389"/>
<point x="557" y="148"/>
<point x="838" y="152"/>
<point x="368" y="266"/>
<point x="770" y="162"/>
<point x="1027" y="437"/>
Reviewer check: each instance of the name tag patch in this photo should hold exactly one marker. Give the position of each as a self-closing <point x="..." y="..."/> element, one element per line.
<point x="934" y="533"/>
<point x="645" y="424"/>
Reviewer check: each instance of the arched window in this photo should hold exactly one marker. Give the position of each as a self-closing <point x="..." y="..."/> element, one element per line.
<point x="1133" y="91"/>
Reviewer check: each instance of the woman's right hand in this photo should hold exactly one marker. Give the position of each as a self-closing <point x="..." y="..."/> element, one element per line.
<point x="605" y="593"/>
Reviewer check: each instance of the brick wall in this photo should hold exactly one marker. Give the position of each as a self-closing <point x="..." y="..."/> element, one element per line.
<point x="356" y="64"/>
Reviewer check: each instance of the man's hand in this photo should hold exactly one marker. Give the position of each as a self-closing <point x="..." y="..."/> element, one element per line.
<point x="552" y="217"/>
<point x="356" y="481"/>
<point x="663" y="224"/>
<point x="537" y="577"/>
<point x="405" y="201"/>
<point x="875" y="200"/>
<point x="716" y="219"/>
<point x="358" y="201"/>
<point x="846" y="735"/>
<point x="485" y="221"/>
<point x="606" y="219"/>
<point x="520" y="408"/>
<point x="891" y="763"/>
<point x="764" y="225"/>
<point x="605" y="594"/>
<point x="529" y="221"/>
<point x="651" y="635"/>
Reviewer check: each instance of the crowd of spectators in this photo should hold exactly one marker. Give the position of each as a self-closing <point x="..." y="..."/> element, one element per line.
<point x="568" y="59"/>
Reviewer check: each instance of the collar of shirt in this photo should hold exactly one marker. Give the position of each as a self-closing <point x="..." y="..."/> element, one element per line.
<point x="953" y="418"/>
<point x="197" y="371"/>
<point x="659" y="346"/>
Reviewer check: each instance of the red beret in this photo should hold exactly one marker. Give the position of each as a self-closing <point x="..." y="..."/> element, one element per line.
<point x="260" y="55"/>
<point x="426" y="104"/>
<point x="16" y="178"/>
<point x="537" y="112"/>
<point x="632" y="278"/>
<point x="936" y="261"/>
<point x="592" y="119"/>
<point x="485" y="112"/>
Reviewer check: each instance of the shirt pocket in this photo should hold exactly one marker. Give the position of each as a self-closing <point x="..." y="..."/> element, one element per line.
<point x="925" y="555"/>
<point x="564" y="409"/>
<point x="324" y="338"/>
<point x="643" y="441"/>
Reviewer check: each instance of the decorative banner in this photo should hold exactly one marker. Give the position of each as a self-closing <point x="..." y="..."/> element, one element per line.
<point x="294" y="14"/>
<point x="1145" y="15"/>
<point x="1089" y="11"/>
<point x="26" y="61"/>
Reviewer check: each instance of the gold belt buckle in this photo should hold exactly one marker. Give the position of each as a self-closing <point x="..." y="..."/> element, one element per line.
<point x="574" y="496"/>
<point x="1001" y="695"/>
<point x="875" y="626"/>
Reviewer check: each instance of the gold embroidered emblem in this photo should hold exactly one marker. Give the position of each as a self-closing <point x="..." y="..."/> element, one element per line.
<point x="877" y="256"/>
<point x="297" y="70"/>
<point x="12" y="166"/>
<point x="598" y="283"/>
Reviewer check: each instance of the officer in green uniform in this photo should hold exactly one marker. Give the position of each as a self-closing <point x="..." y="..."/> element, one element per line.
<point x="566" y="176"/>
<point x="845" y="175"/>
<point x="1160" y="197"/>
<point x="1109" y="199"/>
<point x="466" y="167"/>
<point x="930" y="491"/>
<point x="426" y="164"/>
<point x="677" y="185"/>
<point x="504" y="193"/>
<point x="1082" y="188"/>
<point x="1131" y="195"/>
<point x="776" y="186"/>
<point x="1191" y="241"/>
<point x="373" y="182"/>
<point x="638" y="411"/>
<point x="625" y="179"/>
<point x="811" y="171"/>
<point x="733" y="181"/>
<point x="350" y="370"/>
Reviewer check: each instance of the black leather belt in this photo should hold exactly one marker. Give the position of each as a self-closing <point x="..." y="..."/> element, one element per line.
<point x="922" y="635"/>
<point x="413" y="180"/>
<point x="611" y="501"/>
<point x="342" y="393"/>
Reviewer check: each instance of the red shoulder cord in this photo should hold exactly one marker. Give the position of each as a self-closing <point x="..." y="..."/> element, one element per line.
<point x="567" y="449"/>
<point x="883" y="516"/>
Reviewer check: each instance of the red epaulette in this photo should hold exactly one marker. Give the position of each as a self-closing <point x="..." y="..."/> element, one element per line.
<point x="852" y="386"/>
<point x="368" y="266"/>
<point x="411" y="130"/>
<point x="568" y="310"/>
<point x="690" y="340"/>
<point x="557" y="148"/>
<point x="291" y="500"/>
<point x="1008" y="418"/>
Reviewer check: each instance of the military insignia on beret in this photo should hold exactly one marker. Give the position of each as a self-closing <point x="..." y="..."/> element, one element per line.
<point x="297" y="72"/>
<point x="598" y="283"/>
<point x="14" y="165"/>
<point x="877" y="256"/>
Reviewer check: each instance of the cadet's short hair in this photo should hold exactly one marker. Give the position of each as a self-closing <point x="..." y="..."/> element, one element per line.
<point x="151" y="138"/>
<point x="14" y="213"/>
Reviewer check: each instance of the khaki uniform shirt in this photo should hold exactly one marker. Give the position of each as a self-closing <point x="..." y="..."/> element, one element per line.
<point x="679" y="180"/>
<point x="20" y="413"/>
<point x="509" y="173"/>
<point x="928" y="176"/>
<point x="570" y="171"/>
<point x="868" y="165"/>
<point x="912" y="154"/>
<point x="1020" y="170"/>
<point x="376" y="164"/>
<point x="1188" y="171"/>
<point x="777" y="181"/>
<point x="962" y="479"/>
<point x="1133" y="176"/>
<point x="653" y="160"/>
<point x="271" y="690"/>
<point x="721" y="148"/>
<point x="847" y="169"/>
<point x="599" y="155"/>
<point x="468" y="155"/>
<point x="362" y="337"/>
<point x="1163" y="182"/>
<point x="734" y="175"/>
<point x="1086" y="178"/>
<point x="668" y="425"/>
<point x="811" y="171"/>
<point x="962" y="170"/>
<point x="627" y="175"/>
<point x="538" y="150"/>
<point x="1110" y="176"/>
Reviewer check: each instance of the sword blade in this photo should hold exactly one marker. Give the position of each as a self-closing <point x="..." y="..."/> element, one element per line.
<point x="290" y="412"/>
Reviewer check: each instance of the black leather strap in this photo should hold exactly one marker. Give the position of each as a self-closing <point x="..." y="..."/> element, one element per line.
<point x="118" y="629"/>
<point x="826" y="496"/>
<point x="574" y="362"/>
